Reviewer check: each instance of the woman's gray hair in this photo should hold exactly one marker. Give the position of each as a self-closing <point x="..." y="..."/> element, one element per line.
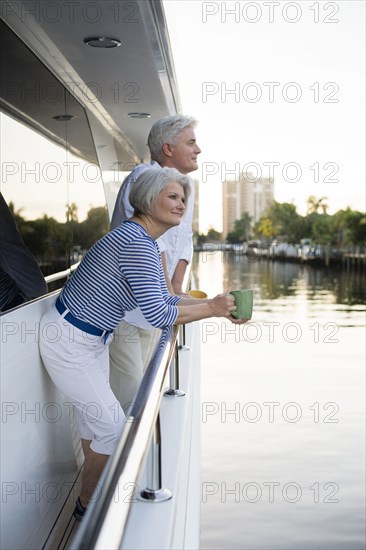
<point x="166" y="130"/>
<point x="151" y="183"/>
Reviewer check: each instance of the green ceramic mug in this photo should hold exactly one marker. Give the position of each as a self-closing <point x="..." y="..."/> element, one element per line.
<point x="244" y="303"/>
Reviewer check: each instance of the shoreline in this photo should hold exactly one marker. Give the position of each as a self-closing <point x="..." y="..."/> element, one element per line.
<point x="353" y="257"/>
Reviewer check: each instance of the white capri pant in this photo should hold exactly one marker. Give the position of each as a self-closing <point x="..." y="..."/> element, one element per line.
<point x="78" y="364"/>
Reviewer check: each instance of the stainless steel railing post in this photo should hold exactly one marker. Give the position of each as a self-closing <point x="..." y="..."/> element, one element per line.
<point x="174" y="390"/>
<point x="182" y="338"/>
<point x="154" y="491"/>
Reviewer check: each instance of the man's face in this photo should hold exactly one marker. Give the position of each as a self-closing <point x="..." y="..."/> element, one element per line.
<point x="183" y="154"/>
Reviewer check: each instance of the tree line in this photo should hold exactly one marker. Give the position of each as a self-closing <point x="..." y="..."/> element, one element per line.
<point x="283" y="223"/>
<point x="55" y="244"/>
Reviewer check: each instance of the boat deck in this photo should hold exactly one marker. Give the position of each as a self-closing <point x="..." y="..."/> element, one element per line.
<point x="64" y="528"/>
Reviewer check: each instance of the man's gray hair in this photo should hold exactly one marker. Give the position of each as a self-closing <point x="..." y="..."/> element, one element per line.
<point x="166" y="130"/>
<point x="151" y="183"/>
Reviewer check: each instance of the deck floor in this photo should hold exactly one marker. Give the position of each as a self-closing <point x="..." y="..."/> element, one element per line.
<point x="63" y="529"/>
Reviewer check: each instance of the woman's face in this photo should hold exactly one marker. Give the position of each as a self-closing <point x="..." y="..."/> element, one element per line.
<point x="170" y="205"/>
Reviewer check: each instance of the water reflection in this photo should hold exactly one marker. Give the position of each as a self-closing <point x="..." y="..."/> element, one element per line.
<point x="273" y="280"/>
<point x="292" y="478"/>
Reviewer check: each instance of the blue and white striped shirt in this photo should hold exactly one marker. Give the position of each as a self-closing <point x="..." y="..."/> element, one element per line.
<point x="120" y="272"/>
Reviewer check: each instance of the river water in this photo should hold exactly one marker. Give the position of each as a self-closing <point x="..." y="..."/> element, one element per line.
<point x="283" y="403"/>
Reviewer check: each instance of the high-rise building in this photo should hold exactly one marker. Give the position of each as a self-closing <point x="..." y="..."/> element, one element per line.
<point x="247" y="194"/>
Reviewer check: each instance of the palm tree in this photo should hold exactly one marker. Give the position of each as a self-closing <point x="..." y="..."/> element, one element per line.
<point x="72" y="212"/>
<point x="314" y="205"/>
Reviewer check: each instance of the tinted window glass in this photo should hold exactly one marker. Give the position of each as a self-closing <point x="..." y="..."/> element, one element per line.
<point x="50" y="178"/>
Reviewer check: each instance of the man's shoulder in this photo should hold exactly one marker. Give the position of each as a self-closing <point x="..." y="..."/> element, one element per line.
<point x="140" y="169"/>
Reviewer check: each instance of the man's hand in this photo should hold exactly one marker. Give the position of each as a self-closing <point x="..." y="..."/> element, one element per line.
<point x="178" y="277"/>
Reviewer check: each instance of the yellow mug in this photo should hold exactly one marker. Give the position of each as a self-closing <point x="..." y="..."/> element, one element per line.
<point x="197" y="294"/>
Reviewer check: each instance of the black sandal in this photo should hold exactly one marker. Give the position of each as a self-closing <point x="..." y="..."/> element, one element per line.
<point x="79" y="510"/>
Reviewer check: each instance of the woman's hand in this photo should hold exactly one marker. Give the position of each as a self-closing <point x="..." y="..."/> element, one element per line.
<point x="193" y="309"/>
<point x="222" y="305"/>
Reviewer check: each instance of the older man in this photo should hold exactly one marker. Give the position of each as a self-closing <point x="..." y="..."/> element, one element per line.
<point x="172" y="143"/>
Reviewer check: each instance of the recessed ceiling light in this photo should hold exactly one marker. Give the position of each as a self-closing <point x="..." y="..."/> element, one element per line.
<point x="102" y="42"/>
<point x="62" y="118"/>
<point x="139" y="115"/>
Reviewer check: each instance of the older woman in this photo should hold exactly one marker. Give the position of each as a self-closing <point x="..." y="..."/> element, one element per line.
<point x="120" y="272"/>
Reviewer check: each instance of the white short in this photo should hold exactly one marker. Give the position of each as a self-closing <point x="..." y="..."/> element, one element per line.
<point x="78" y="364"/>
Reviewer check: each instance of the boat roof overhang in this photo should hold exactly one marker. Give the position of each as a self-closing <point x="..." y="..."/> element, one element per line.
<point x="111" y="83"/>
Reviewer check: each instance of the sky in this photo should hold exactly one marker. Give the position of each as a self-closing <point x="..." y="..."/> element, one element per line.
<point x="27" y="172"/>
<point x="278" y="88"/>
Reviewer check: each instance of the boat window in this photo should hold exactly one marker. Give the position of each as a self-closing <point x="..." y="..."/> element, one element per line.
<point x="50" y="178"/>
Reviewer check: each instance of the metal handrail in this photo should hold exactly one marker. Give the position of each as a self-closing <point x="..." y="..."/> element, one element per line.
<point x="61" y="274"/>
<point x="103" y="522"/>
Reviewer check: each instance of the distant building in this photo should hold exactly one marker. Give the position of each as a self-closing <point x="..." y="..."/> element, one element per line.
<point x="245" y="195"/>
